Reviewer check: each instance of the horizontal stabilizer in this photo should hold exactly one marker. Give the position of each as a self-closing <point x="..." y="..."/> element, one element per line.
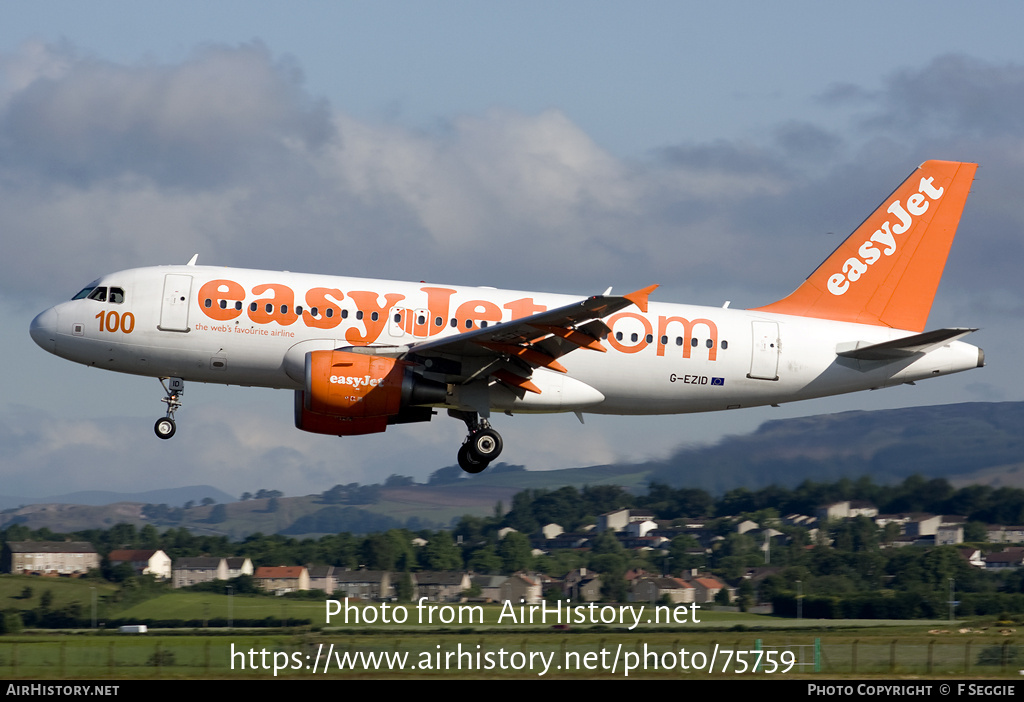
<point x="900" y="348"/>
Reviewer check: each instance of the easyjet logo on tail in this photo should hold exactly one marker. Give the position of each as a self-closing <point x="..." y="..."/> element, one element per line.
<point x="885" y="236"/>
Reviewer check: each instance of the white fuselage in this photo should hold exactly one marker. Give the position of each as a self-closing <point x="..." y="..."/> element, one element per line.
<point x="250" y="327"/>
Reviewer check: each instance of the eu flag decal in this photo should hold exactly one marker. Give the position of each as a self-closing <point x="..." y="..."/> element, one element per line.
<point x="718" y="381"/>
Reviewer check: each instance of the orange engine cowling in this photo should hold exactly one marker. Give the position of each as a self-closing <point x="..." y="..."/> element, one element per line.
<point x="353" y="393"/>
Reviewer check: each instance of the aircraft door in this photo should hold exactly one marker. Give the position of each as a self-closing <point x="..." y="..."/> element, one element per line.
<point x="175" y="302"/>
<point x="408" y="321"/>
<point x="764" y="359"/>
<point x="399" y="321"/>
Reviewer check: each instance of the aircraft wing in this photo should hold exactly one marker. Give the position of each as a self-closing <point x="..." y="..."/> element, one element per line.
<point x="510" y="351"/>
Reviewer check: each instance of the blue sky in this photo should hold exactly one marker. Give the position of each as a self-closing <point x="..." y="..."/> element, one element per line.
<point x="720" y="149"/>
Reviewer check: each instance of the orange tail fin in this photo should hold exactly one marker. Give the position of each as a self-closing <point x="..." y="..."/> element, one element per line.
<point x="886" y="273"/>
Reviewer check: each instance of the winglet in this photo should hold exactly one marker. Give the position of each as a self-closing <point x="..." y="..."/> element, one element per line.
<point x="639" y="297"/>
<point x="886" y="273"/>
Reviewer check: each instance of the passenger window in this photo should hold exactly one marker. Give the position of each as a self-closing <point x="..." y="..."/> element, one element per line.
<point x="710" y="344"/>
<point x="725" y="345"/>
<point x="693" y="342"/>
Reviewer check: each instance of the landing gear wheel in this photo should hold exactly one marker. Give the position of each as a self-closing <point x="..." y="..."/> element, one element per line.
<point x="174" y="388"/>
<point x="485" y="445"/>
<point x="165" y="427"/>
<point x="468" y="461"/>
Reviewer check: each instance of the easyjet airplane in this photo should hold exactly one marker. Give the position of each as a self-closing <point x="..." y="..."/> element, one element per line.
<point x="362" y="354"/>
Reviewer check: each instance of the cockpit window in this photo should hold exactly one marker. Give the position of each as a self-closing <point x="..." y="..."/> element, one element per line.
<point x="99" y="294"/>
<point x="117" y="295"/>
<point x="86" y="291"/>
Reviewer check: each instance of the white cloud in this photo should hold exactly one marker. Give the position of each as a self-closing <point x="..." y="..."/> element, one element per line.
<point x="106" y="166"/>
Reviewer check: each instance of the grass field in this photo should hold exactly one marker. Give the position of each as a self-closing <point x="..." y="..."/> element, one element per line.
<point x="485" y="641"/>
<point x="64" y="591"/>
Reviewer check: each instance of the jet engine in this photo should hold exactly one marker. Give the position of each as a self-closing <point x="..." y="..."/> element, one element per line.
<point x="355" y="393"/>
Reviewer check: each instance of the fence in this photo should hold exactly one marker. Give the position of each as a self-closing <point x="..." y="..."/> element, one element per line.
<point x="455" y="654"/>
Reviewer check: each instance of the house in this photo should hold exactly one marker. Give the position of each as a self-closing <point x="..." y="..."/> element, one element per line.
<point x="581" y="585"/>
<point x="621" y="518"/>
<point x="949" y="534"/>
<point x="441" y="586"/>
<point x="550" y="531"/>
<point x="923" y="525"/>
<point x="800" y="520"/>
<point x="563" y="540"/>
<point x="49" y="557"/>
<point x="706" y="587"/>
<point x="201" y="569"/>
<point x="365" y="584"/>
<point x="282" y="579"/>
<point x="747" y="525"/>
<point x="847" y="509"/>
<point x="972" y="556"/>
<point x="143" y="562"/>
<point x="1012" y="557"/>
<point x="654" y="589"/>
<point x="238" y="566"/>
<point x="521" y="588"/>
<point x="641" y="528"/>
<point x="1005" y="534"/>
<point x="648" y="543"/>
<point x="321" y="577"/>
<point x="490" y="586"/>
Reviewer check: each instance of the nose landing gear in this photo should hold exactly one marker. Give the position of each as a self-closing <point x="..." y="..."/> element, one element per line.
<point x="482" y="445"/>
<point x="174" y="388"/>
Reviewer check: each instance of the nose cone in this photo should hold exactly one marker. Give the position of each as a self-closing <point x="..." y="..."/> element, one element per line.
<point x="44" y="330"/>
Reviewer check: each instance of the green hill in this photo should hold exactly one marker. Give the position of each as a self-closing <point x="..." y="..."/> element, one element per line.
<point x="965" y="443"/>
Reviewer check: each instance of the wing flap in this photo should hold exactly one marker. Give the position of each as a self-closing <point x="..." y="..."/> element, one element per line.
<point x="531" y="342"/>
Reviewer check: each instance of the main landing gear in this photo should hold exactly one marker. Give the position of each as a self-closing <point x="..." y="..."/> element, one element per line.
<point x="482" y="445"/>
<point x="174" y="388"/>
